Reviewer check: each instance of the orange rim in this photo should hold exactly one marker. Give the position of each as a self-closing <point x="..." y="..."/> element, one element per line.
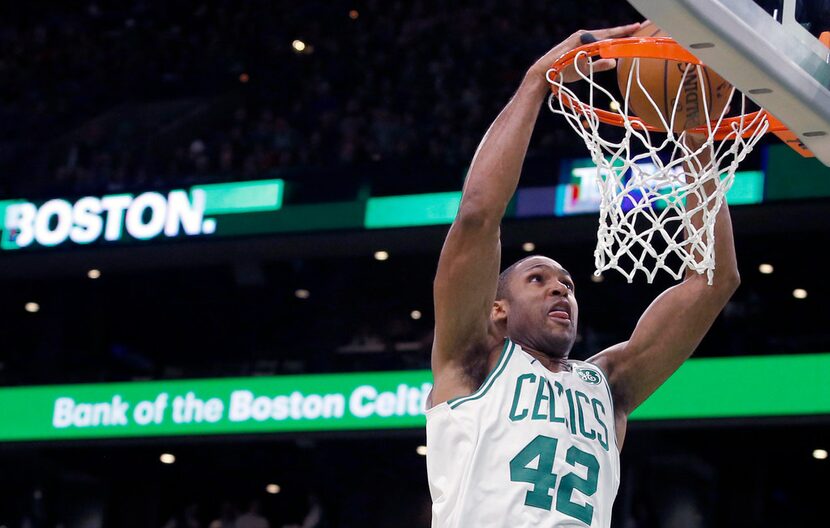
<point x="648" y="48"/>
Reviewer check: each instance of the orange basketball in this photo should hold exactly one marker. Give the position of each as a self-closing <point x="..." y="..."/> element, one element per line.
<point x="662" y="79"/>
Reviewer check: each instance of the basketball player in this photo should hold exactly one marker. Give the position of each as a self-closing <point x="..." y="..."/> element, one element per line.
<point x="518" y="434"/>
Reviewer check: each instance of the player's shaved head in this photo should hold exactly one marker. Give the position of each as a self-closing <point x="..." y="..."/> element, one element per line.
<point x="503" y="285"/>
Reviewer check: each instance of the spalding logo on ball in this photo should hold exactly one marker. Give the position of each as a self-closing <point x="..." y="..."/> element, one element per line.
<point x="699" y="97"/>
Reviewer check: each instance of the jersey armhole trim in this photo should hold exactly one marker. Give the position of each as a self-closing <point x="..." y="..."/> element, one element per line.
<point x="607" y="384"/>
<point x="491" y="378"/>
<point x="611" y="398"/>
<point x="436" y="409"/>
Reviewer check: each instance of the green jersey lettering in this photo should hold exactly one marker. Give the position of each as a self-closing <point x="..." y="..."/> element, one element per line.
<point x="540" y="397"/>
<point x="603" y="439"/>
<point x="592" y="434"/>
<point x="517" y="395"/>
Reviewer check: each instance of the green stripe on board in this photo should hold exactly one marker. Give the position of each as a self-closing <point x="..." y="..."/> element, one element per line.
<point x="743" y="387"/>
<point x="242" y="197"/>
<point x="412" y="210"/>
<point x="736" y="387"/>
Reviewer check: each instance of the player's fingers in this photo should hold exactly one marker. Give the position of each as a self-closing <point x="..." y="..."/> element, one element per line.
<point x="580" y="69"/>
<point x="587" y="38"/>
<point x="577" y="70"/>
<point x="694" y="141"/>
<point x="579" y="38"/>
<point x="604" y="65"/>
<point x="615" y="32"/>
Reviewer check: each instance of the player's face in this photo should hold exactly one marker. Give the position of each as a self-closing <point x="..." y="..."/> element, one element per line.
<point x="542" y="309"/>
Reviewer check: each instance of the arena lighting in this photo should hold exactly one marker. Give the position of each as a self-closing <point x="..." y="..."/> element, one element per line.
<point x="614" y="106"/>
<point x="766" y="269"/>
<point x="298" y="45"/>
<point x="415" y="314"/>
<point x="528" y="246"/>
<point x="421" y="450"/>
<point x="167" y="458"/>
<point x="302" y="294"/>
<point x="597" y="278"/>
<point x="820" y="454"/>
<point x="381" y="255"/>
<point x="32" y="307"/>
<point x="800" y="293"/>
<point x="353" y="14"/>
<point x="273" y="489"/>
<point x="93" y="274"/>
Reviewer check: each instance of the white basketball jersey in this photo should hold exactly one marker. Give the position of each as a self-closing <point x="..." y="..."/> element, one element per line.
<point x="530" y="448"/>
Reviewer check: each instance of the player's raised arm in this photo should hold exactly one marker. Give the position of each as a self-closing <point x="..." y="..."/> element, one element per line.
<point x="465" y="282"/>
<point x="675" y="323"/>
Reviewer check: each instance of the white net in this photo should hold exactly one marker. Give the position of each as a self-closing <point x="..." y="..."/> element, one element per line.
<point x="659" y="197"/>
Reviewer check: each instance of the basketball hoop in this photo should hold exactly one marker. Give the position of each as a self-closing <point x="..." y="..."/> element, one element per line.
<point x="644" y="223"/>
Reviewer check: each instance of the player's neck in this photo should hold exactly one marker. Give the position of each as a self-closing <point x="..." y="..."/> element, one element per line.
<point x="553" y="364"/>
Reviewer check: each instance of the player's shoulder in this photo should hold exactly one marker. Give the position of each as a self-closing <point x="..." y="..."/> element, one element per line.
<point x="474" y="364"/>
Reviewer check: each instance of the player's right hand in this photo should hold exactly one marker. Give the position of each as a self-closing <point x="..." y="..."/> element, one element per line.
<point x="541" y="66"/>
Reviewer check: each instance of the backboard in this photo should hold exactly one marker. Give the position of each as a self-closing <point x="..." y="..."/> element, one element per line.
<point x="768" y="49"/>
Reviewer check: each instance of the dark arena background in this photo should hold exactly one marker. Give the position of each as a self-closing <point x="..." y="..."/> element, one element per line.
<point x="221" y="222"/>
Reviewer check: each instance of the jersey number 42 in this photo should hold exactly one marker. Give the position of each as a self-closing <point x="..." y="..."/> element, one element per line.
<point x="544" y="479"/>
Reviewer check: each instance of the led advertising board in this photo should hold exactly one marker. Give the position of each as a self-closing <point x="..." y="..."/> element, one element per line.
<point x="198" y="211"/>
<point x="329" y="402"/>
<point x="257" y="207"/>
<point x="578" y="191"/>
<point x="733" y="387"/>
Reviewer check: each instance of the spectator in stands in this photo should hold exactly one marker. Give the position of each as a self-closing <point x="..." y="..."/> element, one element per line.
<point x="315" y="517"/>
<point x="405" y="84"/>
<point x="227" y="517"/>
<point x="188" y="518"/>
<point x="252" y="518"/>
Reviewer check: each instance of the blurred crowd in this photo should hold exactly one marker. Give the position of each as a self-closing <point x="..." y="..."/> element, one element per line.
<point x="279" y="85"/>
<point x="252" y="516"/>
<point x="327" y="315"/>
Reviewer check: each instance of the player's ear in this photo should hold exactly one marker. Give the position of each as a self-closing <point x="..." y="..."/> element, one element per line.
<point x="499" y="312"/>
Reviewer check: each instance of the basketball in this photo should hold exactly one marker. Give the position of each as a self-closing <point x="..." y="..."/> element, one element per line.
<point x="662" y="79"/>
